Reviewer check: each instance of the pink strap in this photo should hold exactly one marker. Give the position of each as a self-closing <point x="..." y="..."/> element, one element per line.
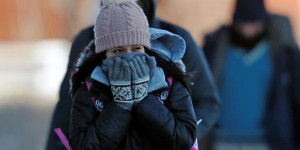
<point x="89" y="86"/>
<point x="195" y="146"/>
<point x="63" y="138"/>
<point x="170" y="79"/>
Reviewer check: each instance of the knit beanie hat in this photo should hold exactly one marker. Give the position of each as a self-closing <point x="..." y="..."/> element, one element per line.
<point x="120" y="23"/>
<point x="250" y="10"/>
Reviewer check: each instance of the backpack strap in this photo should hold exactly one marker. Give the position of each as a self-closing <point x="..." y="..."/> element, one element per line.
<point x="63" y="138"/>
<point x="88" y="84"/>
<point x="170" y="79"/>
<point x="59" y="132"/>
<point x="195" y="145"/>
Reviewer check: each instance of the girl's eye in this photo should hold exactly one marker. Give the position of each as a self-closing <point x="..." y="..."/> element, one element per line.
<point x="117" y="50"/>
<point x="137" y="48"/>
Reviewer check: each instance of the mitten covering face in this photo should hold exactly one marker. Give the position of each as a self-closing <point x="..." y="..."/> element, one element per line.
<point x="120" y="80"/>
<point x="140" y="78"/>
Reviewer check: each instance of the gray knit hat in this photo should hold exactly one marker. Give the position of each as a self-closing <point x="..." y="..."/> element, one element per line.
<point x="121" y="23"/>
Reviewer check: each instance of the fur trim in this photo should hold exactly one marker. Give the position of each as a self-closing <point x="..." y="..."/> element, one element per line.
<point x="106" y="2"/>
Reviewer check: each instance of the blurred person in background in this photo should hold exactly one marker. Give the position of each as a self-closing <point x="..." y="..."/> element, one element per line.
<point x="256" y="64"/>
<point x="203" y="91"/>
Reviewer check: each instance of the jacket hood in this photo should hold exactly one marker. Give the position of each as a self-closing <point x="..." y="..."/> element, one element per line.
<point x="169" y="45"/>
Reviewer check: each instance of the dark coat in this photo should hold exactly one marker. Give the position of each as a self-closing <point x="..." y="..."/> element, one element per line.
<point x="282" y="120"/>
<point x="204" y="94"/>
<point x="151" y="125"/>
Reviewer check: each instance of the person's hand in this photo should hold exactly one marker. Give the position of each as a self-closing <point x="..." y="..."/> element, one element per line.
<point x="120" y="80"/>
<point x="140" y="78"/>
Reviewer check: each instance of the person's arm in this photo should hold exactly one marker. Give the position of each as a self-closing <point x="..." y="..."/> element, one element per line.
<point x="94" y="130"/>
<point x="61" y="115"/>
<point x="295" y="69"/>
<point x="205" y="97"/>
<point x="206" y="100"/>
<point x="170" y="126"/>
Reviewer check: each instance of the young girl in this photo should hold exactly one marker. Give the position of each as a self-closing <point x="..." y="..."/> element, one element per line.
<point x="127" y="95"/>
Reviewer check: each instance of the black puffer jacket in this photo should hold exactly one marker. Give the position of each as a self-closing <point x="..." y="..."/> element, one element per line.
<point x="151" y="125"/>
<point x="204" y="94"/>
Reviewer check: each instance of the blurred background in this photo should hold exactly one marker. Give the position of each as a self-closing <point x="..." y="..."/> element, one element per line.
<point x="35" y="39"/>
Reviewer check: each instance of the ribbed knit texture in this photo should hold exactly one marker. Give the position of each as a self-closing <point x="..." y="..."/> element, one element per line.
<point x="121" y="24"/>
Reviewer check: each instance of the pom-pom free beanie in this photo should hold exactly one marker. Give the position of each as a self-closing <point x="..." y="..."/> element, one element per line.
<point x="121" y="23"/>
<point x="250" y="10"/>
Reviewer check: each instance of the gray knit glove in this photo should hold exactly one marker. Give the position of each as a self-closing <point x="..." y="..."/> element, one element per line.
<point x="120" y="80"/>
<point x="140" y="78"/>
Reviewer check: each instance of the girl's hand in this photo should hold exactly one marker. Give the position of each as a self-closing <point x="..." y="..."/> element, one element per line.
<point x="140" y="78"/>
<point x="120" y="80"/>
